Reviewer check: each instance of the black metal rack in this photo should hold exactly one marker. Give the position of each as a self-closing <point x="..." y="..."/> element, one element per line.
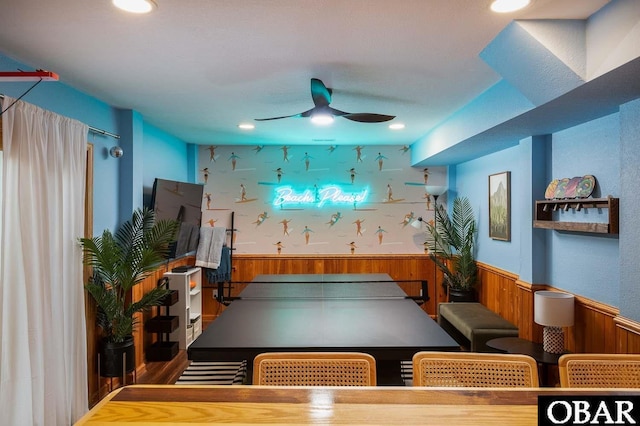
<point x="163" y="325"/>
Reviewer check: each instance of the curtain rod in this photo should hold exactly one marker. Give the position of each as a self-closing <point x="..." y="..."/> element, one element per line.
<point x="91" y="128"/>
<point x="103" y="132"/>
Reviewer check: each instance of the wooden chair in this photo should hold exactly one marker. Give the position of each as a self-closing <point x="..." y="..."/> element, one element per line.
<point x="314" y="369"/>
<point x="599" y="370"/>
<point x="473" y="369"/>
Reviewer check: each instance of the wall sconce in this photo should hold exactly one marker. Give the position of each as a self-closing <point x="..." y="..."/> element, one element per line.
<point x="553" y="310"/>
<point x="116" y="152"/>
<point x="417" y="223"/>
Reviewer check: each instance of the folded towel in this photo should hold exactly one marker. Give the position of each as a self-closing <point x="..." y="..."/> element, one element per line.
<point x="223" y="272"/>
<point x="210" y="247"/>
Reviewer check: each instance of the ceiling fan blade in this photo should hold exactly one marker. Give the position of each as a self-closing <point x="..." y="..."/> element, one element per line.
<point x="320" y="94"/>
<point x="368" y="118"/>
<point x="337" y="112"/>
<point x="278" y="118"/>
<point x="302" y="114"/>
<point x="322" y="98"/>
<point x="308" y="113"/>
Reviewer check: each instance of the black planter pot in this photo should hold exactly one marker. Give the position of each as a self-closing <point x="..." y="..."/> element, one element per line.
<point x="462" y="295"/>
<point x="117" y="359"/>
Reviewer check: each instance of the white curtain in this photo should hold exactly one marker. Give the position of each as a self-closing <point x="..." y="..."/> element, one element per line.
<point x="43" y="355"/>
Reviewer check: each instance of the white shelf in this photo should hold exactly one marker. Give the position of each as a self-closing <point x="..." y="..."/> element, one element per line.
<point x="189" y="305"/>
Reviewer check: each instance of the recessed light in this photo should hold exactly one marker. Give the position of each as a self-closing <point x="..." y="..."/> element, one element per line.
<point x="506" y="6"/>
<point x="396" y="126"/>
<point x="246" y="126"/>
<point x="135" y="6"/>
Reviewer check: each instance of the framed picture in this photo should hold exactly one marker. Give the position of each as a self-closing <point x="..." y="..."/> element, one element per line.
<point x="500" y="206"/>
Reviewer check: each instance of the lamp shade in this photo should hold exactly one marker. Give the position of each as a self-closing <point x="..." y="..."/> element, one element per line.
<point x="552" y="308"/>
<point x="435" y="190"/>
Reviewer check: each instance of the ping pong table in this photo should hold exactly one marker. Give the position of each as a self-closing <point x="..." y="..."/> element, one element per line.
<point x="323" y="313"/>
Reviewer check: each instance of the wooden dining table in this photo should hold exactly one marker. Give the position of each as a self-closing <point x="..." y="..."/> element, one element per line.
<point x="383" y="405"/>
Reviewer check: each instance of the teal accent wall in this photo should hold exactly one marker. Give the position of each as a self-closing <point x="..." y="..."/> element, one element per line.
<point x="165" y="157"/>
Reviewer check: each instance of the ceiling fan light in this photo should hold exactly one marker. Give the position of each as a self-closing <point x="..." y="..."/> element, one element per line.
<point x="506" y="6"/>
<point x="322" y="119"/>
<point x="135" y="6"/>
<point x="246" y="126"/>
<point x="396" y="126"/>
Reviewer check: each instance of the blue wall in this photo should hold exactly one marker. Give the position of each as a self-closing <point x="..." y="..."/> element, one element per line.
<point x="472" y="182"/>
<point x="148" y="150"/>
<point x="165" y="157"/>
<point x="629" y="208"/>
<point x="581" y="263"/>
<point x="64" y="100"/>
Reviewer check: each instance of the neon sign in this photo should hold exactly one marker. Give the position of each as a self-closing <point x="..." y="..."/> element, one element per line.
<point x="333" y="194"/>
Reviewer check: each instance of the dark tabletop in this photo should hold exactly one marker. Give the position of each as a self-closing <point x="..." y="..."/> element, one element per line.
<point x="355" y="317"/>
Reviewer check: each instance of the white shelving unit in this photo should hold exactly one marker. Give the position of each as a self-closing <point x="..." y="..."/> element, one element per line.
<point x="189" y="305"/>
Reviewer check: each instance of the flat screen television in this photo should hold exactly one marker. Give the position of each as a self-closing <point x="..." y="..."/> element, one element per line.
<point x="181" y="201"/>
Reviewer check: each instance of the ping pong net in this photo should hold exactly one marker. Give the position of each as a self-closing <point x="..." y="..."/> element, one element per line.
<point x="344" y="286"/>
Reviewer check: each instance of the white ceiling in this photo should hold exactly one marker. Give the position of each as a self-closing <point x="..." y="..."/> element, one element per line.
<point x="197" y="68"/>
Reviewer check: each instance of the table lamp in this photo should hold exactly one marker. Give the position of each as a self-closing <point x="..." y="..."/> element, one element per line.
<point x="553" y="310"/>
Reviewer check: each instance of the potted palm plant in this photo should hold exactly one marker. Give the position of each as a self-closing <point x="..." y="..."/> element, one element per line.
<point x="118" y="263"/>
<point x="450" y="244"/>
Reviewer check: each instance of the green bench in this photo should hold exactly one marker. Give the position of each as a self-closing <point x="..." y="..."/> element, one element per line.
<point x="472" y="325"/>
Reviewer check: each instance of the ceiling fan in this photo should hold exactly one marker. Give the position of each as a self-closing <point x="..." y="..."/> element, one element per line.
<point x="322" y="112"/>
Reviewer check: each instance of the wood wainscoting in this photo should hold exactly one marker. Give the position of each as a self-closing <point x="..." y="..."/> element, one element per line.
<point x="598" y="328"/>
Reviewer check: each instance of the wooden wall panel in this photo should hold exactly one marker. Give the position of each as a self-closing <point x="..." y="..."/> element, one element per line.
<point x="497" y="291"/>
<point x="598" y="327"/>
<point x="627" y="335"/>
<point x="414" y="267"/>
<point x="524" y="304"/>
<point x="594" y="329"/>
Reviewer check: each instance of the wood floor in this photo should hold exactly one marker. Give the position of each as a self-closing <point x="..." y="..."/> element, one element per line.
<point x="164" y="373"/>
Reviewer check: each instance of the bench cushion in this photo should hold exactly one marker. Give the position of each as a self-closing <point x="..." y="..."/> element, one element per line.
<point x="475" y="322"/>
